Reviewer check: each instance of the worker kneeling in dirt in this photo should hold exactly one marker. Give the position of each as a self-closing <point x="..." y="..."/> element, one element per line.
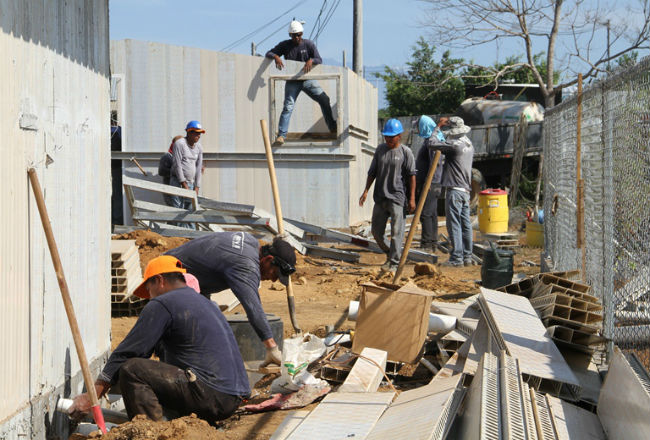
<point x="200" y="369"/>
<point x="236" y="261"/>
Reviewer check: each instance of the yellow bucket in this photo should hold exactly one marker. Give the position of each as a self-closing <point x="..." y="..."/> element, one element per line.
<point x="493" y="211"/>
<point x="534" y="234"/>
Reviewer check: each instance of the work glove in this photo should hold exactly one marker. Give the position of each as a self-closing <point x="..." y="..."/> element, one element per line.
<point x="273" y="356"/>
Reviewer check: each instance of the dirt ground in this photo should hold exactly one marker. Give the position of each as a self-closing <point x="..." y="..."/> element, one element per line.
<point x="323" y="290"/>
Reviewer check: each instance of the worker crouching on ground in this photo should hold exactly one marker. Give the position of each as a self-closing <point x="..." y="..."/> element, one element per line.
<point x="187" y="161"/>
<point x="235" y="260"/>
<point x="429" y="216"/>
<point x="299" y="49"/>
<point x="393" y="168"/>
<point x="457" y="181"/>
<point x="200" y="369"/>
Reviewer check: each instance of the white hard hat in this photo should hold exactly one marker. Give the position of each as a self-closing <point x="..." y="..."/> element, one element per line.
<point x="295" y="27"/>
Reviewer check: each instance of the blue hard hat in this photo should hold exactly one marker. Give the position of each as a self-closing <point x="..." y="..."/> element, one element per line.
<point x="392" y="127"/>
<point x="194" y="126"/>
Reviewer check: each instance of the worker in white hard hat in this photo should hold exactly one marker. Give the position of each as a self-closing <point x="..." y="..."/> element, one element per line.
<point x="300" y="49"/>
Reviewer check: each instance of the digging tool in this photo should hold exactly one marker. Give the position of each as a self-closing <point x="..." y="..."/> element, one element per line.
<point x="416" y="217"/>
<point x="278" y="214"/>
<point x="67" y="302"/>
<point x="135" y="161"/>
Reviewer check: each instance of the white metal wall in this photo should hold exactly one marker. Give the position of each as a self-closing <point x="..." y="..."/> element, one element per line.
<point x="165" y="86"/>
<point x="54" y="107"/>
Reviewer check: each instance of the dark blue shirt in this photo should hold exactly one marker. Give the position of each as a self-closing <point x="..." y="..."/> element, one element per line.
<point x="187" y="331"/>
<point x="422" y="165"/>
<point x="303" y="51"/>
<point x="228" y="260"/>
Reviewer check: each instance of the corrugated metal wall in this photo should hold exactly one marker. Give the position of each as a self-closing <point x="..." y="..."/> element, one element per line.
<point x="166" y="86"/>
<point x="54" y="88"/>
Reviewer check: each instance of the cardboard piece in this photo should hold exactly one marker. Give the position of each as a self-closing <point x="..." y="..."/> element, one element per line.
<point x="395" y="321"/>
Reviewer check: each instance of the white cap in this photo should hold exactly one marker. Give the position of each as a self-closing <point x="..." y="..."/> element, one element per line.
<point x="295" y="27"/>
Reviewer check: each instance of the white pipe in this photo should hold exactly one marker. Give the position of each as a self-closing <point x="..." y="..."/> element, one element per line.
<point x="437" y="323"/>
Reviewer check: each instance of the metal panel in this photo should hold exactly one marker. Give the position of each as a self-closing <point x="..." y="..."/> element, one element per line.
<point x="422" y="414"/>
<point x="56" y="82"/>
<point x="625" y="414"/>
<point x="343" y="415"/>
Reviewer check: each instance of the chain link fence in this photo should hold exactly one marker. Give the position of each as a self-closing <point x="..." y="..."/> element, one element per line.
<point x="615" y="164"/>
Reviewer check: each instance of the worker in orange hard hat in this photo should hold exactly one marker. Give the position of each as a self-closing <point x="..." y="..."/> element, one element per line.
<point x="200" y="369"/>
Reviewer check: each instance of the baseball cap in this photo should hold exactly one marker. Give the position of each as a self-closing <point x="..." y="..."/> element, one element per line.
<point x="157" y="266"/>
<point x="284" y="258"/>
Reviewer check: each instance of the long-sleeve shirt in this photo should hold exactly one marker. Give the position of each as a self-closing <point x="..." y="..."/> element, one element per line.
<point x="228" y="260"/>
<point x="459" y="154"/>
<point x="191" y="332"/>
<point x="303" y="51"/>
<point x="187" y="162"/>
<point x="391" y="167"/>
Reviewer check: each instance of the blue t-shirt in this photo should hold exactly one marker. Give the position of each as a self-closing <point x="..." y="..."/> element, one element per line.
<point x="188" y="331"/>
<point x="228" y="260"/>
<point x="303" y="51"/>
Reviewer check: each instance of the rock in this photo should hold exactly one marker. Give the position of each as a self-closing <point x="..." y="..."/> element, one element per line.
<point x="426" y="269"/>
<point x="342" y="291"/>
<point x="276" y="286"/>
<point x="303" y="281"/>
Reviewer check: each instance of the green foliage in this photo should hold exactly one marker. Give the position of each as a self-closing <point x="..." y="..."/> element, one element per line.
<point x="626" y="60"/>
<point x="426" y="87"/>
<point x="480" y="75"/>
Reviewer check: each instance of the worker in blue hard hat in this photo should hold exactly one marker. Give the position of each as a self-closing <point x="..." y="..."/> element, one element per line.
<point x="393" y="169"/>
<point x="297" y="48"/>
<point x="187" y="161"/>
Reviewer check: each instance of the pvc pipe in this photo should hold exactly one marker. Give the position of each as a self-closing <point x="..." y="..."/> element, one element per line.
<point x="437" y="323"/>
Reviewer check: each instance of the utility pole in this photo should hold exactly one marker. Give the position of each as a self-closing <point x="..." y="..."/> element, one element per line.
<point x="253" y="49"/>
<point x="608" y="60"/>
<point x="357" y="38"/>
<point x="345" y="63"/>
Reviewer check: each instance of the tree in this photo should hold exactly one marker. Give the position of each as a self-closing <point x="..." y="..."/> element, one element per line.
<point x="426" y="87"/>
<point x="543" y="23"/>
<point x="481" y="75"/>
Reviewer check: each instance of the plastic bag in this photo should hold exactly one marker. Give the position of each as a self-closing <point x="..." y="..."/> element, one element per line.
<point x="297" y="354"/>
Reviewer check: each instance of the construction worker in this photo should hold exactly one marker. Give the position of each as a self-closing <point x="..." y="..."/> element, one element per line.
<point x="165" y="168"/>
<point x="393" y="166"/>
<point x="429" y="215"/>
<point x="457" y="181"/>
<point x="200" y="369"/>
<point x="187" y="155"/>
<point x="299" y="49"/>
<point x="235" y="260"/>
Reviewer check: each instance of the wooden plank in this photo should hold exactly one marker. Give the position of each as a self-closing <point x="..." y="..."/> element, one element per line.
<point x="289" y="424"/>
<point x="365" y="376"/>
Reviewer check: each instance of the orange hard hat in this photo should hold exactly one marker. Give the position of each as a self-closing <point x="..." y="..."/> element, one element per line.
<point x="157" y="266"/>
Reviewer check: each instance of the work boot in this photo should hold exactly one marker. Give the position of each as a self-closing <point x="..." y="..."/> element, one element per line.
<point x="469" y="262"/>
<point x="279" y="140"/>
<point x="451" y="264"/>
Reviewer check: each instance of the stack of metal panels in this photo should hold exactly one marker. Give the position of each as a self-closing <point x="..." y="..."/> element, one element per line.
<point x="126" y="276"/>
<point x="516" y="328"/>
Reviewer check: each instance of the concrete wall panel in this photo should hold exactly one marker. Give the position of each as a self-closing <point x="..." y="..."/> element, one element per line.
<point x="54" y="116"/>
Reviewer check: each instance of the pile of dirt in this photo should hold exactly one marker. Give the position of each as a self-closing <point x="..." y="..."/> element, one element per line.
<point x="151" y="244"/>
<point x="185" y="428"/>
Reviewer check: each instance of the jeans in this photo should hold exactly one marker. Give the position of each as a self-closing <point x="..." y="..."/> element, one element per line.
<point x="178" y="201"/>
<point x="148" y="386"/>
<point x="429" y="218"/>
<point x="381" y="212"/>
<point x="459" y="226"/>
<point x="291" y="91"/>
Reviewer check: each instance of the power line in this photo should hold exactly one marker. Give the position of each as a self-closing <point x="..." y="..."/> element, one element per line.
<point x="261" y="28"/>
<point x="327" y="18"/>
<point x="284" y="25"/>
<point x="317" y="22"/>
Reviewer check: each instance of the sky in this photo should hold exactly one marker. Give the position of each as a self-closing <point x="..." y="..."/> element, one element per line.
<point x="390" y="28"/>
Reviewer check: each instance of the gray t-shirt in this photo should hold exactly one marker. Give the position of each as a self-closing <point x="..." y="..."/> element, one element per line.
<point x="459" y="154"/>
<point x="391" y="168"/>
<point x="187" y="162"/>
